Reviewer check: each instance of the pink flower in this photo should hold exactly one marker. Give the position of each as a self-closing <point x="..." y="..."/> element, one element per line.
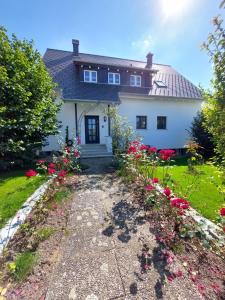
<point x="179" y="203"/>
<point x="51" y="165"/>
<point x="222" y="211"/>
<point x="179" y="273"/>
<point x="149" y="187"/>
<point x="166" y="154"/>
<point x="137" y="156"/>
<point x="41" y="161"/>
<point x="143" y="147"/>
<point x="66" y="160"/>
<point x="78" y="140"/>
<point x="31" y="173"/>
<point x="132" y="149"/>
<point x="76" y="153"/>
<point x="152" y="149"/>
<point x="167" y="191"/>
<point x="51" y="171"/>
<point x="155" y="180"/>
<point x="62" y="174"/>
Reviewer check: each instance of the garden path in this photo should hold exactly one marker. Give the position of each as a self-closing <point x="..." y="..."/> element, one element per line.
<point x="102" y="256"/>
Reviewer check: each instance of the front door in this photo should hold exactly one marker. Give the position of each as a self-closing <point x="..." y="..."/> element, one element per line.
<point x="92" y="129"/>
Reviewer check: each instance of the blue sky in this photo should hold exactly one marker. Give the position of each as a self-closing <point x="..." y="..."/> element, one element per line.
<point x="172" y="29"/>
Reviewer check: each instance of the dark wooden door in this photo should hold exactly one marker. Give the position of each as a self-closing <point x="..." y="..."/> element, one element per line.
<point x="92" y="129"/>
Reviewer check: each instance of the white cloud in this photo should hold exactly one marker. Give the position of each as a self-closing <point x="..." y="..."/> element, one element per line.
<point x="144" y="44"/>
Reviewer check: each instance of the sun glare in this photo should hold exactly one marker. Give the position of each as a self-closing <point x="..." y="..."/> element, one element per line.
<point x="174" y="8"/>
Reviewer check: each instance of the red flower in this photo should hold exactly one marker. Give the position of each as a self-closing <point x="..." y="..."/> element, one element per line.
<point x="152" y="149"/>
<point x="41" y="161"/>
<point x="76" y="153"/>
<point x="224" y="228"/>
<point x="51" y="171"/>
<point x="136" y="143"/>
<point x="62" y="174"/>
<point x="66" y="160"/>
<point x="67" y="149"/>
<point x="166" y="154"/>
<point x="132" y="149"/>
<point x="167" y="191"/>
<point x="155" y="180"/>
<point x="149" y="187"/>
<point x="143" y="147"/>
<point x="222" y="211"/>
<point x="31" y="173"/>
<point x="51" y="165"/>
<point x="179" y="203"/>
<point x="138" y="156"/>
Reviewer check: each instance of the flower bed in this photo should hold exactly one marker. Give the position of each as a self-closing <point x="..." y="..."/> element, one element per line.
<point x="169" y="217"/>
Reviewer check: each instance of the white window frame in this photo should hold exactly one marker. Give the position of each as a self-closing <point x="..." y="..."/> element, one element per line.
<point x="90" y="76"/>
<point x="135" y="80"/>
<point x="114" y="78"/>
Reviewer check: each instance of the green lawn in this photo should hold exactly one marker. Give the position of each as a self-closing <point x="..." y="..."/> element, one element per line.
<point x="15" y="188"/>
<point x="201" y="189"/>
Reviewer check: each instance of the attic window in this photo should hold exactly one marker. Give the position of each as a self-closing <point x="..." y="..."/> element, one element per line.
<point x="160" y="83"/>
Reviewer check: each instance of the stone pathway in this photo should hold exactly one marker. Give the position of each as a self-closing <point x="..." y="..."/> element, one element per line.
<point x="101" y="257"/>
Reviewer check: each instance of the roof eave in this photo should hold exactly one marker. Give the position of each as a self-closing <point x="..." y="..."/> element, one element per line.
<point x="135" y="95"/>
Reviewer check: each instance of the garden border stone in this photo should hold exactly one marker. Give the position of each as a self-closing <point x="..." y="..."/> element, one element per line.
<point x="11" y="227"/>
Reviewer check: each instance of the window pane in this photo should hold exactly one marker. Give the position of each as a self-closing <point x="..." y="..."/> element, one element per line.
<point x="94" y="76"/>
<point x="132" y="80"/>
<point x="141" y="122"/>
<point x="110" y="78"/>
<point x="138" y="80"/>
<point x="117" y="78"/>
<point x="86" y="76"/>
<point x="161" y="122"/>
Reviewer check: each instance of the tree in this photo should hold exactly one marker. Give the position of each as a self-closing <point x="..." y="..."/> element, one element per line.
<point x="28" y="113"/>
<point x="200" y="135"/>
<point x="214" y="110"/>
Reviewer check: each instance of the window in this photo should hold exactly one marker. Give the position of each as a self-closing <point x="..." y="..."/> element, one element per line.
<point x="114" y="78"/>
<point x="141" y="122"/>
<point x="161" y="122"/>
<point x="90" y="76"/>
<point x="135" y="80"/>
<point x="160" y="83"/>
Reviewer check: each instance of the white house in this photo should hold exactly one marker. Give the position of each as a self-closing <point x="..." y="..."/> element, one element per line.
<point x="158" y="102"/>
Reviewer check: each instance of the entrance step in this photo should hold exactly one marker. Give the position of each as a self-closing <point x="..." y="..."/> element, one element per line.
<point x="94" y="150"/>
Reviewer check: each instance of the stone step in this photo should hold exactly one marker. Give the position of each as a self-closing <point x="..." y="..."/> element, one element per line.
<point x="107" y="154"/>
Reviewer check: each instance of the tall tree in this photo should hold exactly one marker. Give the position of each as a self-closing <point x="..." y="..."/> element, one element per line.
<point x="215" y="100"/>
<point x="27" y="107"/>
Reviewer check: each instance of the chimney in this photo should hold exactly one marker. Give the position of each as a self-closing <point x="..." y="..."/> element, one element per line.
<point x="75" y="47"/>
<point x="149" y="60"/>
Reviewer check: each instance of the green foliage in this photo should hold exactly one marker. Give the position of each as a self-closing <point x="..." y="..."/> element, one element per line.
<point x="200" y="135"/>
<point x="122" y="133"/>
<point x="27" y="108"/>
<point x="24" y="264"/>
<point x="44" y="233"/>
<point x="62" y="194"/>
<point x="214" y="110"/>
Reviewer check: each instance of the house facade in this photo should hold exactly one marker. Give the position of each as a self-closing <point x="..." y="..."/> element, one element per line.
<point x="158" y="102"/>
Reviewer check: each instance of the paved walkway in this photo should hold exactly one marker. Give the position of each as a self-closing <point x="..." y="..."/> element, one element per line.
<point x="102" y="254"/>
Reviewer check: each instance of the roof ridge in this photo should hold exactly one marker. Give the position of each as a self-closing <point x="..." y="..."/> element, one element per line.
<point x="108" y="56"/>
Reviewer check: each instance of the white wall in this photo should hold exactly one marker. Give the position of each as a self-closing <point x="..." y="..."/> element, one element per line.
<point x="67" y="117"/>
<point x="179" y="115"/>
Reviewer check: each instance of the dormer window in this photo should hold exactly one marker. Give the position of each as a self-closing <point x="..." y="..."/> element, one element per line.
<point x="135" y="80"/>
<point x="90" y="76"/>
<point x="113" y="78"/>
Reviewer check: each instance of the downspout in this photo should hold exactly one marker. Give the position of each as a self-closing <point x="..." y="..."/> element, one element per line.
<point x="109" y="122"/>
<point x="76" y="123"/>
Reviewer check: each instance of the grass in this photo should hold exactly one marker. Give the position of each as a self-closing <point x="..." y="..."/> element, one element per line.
<point x="15" y="188"/>
<point x="24" y="264"/>
<point x="200" y="188"/>
<point x="62" y="194"/>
